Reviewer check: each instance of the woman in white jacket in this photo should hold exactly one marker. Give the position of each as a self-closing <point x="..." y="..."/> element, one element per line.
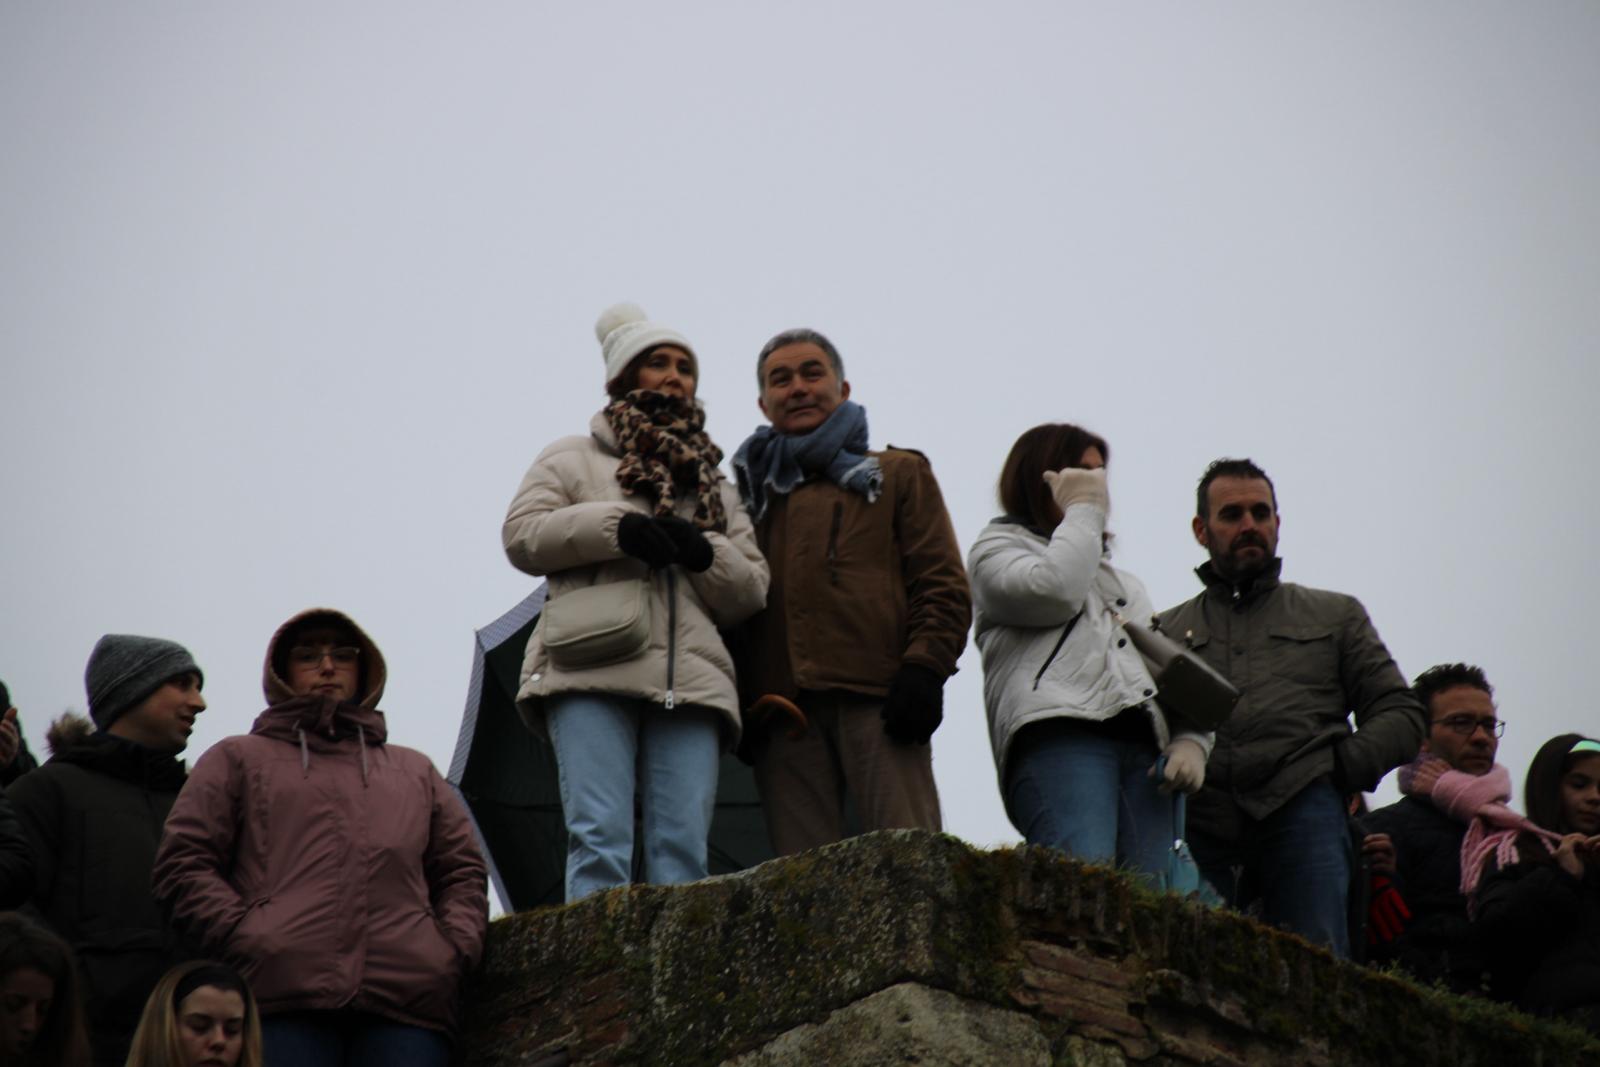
<point x="643" y="542"/>
<point x="1073" y="722"/>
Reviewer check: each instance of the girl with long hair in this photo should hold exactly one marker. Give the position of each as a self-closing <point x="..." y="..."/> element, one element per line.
<point x="41" y="1016"/>
<point x="1535" y="888"/>
<point x="200" y="1014"/>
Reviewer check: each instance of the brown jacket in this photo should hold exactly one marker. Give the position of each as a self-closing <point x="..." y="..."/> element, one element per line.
<point x="336" y="870"/>
<point x="858" y="588"/>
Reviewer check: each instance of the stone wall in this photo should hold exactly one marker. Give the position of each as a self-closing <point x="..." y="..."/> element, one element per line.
<point x="908" y="947"/>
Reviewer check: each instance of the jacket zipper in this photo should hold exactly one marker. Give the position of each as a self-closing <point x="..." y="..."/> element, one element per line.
<point x="672" y="635"/>
<point x="1065" y="632"/>
<point x="833" y="542"/>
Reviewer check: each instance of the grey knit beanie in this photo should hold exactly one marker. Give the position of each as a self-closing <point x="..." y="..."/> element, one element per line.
<point x="124" y="669"/>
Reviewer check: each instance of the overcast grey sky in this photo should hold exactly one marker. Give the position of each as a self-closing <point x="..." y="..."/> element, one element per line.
<point x="293" y="293"/>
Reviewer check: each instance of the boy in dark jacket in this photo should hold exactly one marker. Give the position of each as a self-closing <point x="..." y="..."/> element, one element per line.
<point x="93" y="816"/>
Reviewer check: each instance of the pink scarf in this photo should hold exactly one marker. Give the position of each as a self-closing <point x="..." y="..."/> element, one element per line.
<point x="1492" y="827"/>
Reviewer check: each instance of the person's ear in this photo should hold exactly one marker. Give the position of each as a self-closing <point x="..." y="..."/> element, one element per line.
<point x="1201" y="534"/>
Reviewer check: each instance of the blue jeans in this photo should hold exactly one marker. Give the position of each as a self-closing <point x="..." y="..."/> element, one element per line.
<point x="349" y="1039"/>
<point x="607" y="749"/>
<point x="1091" y="797"/>
<point x="1296" y="862"/>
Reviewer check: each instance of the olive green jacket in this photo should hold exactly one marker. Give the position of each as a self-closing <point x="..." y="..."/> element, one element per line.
<point x="1303" y="660"/>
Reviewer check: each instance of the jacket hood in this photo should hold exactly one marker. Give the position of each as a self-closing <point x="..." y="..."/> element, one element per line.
<point x="73" y="739"/>
<point x="67" y="733"/>
<point x="286" y="713"/>
<point x="374" y="672"/>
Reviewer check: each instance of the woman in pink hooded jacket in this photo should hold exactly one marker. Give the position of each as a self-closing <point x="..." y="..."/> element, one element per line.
<point x="337" y="871"/>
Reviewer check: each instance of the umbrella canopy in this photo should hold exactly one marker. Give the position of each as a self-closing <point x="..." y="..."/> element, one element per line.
<point x="506" y="775"/>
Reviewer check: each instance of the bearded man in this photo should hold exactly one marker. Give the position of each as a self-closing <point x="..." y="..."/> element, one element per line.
<point x="1270" y="829"/>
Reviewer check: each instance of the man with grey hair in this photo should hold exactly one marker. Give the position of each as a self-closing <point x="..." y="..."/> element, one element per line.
<point x="866" y="615"/>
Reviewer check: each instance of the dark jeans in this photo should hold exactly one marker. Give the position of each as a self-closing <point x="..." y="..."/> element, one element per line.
<point x="349" y="1039"/>
<point x="1296" y="862"/>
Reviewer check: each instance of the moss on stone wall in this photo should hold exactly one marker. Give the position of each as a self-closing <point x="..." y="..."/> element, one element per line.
<point x="697" y="974"/>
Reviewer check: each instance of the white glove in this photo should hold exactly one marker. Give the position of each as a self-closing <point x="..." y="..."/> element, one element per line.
<point x="1186" y="767"/>
<point x="1073" y="485"/>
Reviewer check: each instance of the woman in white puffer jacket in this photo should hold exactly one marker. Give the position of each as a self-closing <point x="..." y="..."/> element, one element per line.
<point x="1073" y="722"/>
<point x="636" y="507"/>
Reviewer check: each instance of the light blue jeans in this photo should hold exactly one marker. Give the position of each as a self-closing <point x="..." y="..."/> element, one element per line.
<point x="1091" y="797"/>
<point x="609" y="748"/>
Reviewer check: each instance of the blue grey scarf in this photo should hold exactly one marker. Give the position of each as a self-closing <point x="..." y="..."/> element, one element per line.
<point x="769" y="462"/>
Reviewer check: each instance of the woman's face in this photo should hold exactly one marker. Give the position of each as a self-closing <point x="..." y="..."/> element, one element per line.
<point x="667" y="369"/>
<point x="211" y="1027"/>
<point x="25" y="996"/>
<point x="1580" y="796"/>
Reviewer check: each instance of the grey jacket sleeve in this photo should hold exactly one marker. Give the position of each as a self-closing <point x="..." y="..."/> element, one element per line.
<point x="1390" y="723"/>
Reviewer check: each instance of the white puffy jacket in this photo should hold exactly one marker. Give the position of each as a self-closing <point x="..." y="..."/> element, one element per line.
<point x="562" y="524"/>
<point x="1028" y="589"/>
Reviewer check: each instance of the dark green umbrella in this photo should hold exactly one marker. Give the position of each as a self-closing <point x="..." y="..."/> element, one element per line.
<point x="506" y="774"/>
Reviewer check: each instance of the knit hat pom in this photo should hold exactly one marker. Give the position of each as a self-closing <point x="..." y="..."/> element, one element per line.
<point x="617" y="315"/>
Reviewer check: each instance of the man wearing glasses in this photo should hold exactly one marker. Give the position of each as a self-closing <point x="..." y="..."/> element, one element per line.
<point x="1419" y="846"/>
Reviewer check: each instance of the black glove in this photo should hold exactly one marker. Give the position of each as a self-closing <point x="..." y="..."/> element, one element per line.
<point x="640" y="537"/>
<point x="914" y="707"/>
<point x="694" y="550"/>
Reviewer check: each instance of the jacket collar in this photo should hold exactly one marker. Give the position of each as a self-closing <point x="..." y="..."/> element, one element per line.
<point x="1244" y="592"/>
<point x="120" y="758"/>
<point x="322" y="719"/>
<point x="600" y="430"/>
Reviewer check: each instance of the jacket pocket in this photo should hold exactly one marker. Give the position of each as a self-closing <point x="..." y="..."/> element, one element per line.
<point x="246" y="940"/>
<point x="1066" y="632"/>
<point x="1306" y="655"/>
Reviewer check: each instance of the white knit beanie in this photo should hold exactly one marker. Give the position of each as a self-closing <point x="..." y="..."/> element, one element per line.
<point x="625" y="331"/>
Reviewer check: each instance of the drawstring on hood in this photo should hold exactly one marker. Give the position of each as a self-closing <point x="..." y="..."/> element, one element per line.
<point x="316" y="721"/>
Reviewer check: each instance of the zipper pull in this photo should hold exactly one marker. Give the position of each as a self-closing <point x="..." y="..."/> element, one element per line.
<point x="671" y="701"/>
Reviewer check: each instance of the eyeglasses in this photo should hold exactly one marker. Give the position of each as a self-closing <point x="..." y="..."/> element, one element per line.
<point x="1467" y="725"/>
<point x="306" y="656"/>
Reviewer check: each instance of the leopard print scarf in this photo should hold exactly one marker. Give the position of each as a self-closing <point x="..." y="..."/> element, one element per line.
<point x="665" y="450"/>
